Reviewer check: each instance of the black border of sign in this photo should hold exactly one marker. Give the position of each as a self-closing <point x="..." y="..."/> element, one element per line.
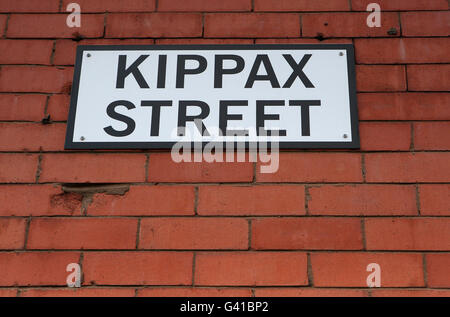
<point x="354" y="144"/>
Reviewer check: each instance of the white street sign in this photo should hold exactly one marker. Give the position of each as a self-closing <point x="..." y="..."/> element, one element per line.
<point x="302" y="96"/>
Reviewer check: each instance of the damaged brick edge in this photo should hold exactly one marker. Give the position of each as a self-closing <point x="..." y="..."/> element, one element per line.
<point x="75" y="195"/>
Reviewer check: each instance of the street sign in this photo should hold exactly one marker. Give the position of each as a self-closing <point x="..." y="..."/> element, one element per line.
<point x="153" y="96"/>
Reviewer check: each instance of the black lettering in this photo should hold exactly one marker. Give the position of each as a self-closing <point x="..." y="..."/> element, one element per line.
<point x="198" y="120"/>
<point x="162" y="63"/>
<point x="305" y="104"/>
<point x="123" y="71"/>
<point x="269" y="69"/>
<point x="297" y="71"/>
<point x="111" y="112"/>
<point x="261" y="116"/>
<point x="156" y="113"/>
<point x="181" y="67"/>
<point x="224" y="117"/>
<point x="219" y="71"/>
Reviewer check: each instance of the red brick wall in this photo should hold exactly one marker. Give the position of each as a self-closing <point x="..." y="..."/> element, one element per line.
<point x="166" y="229"/>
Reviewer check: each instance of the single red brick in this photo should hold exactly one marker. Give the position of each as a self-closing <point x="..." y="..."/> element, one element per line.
<point x="409" y="293"/>
<point x="437" y="270"/>
<point x="402" y="50"/>
<point x="429" y="77"/>
<point x="349" y="269"/>
<point x="309" y="292"/>
<point x="35" y="79"/>
<point x="93" y="168"/>
<point x="193" y="233"/>
<point x="404" y="106"/>
<point x="18" y="168"/>
<point x="8" y="292"/>
<point x="407" y="167"/>
<point x="112" y="5"/>
<point x="138" y="268"/>
<point x="18" y="107"/>
<point x="407" y="234"/>
<point x="204" y="41"/>
<point x="251" y="268"/>
<point x="380" y="78"/>
<point x="251" y="200"/>
<point x="32" y="136"/>
<point x="303" y="41"/>
<point x="29" y="6"/>
<point x="58" y="107"/>
<point x="79" y="233"/>
<point x="432" y="135"/>
<point x="65" y="50"/>
<point x="163" y="169"/>
<point x="314" y="167"/>
<point x="425" y="23"/>
<point x="3" y="19"/>
<point x="26" y="51"/>
<point x="376" y="136"/>
<point x="12" y="233"/>
<point x="204" y="5"/>
<point x="193" y="292"/>
<point x="27" y="107"/>
<point x="301" y="5"/>
<point x="435" y="200"/>
<point x="362" y="200"/>
<point x="53" y="26"/>
<point x="346" y="25"/>
<point x="307" y="234"/>
<point x="35" y="268"/>
<point x="78" y="292"/>
<point x="401" y="5"/>
<point x="252" y="25"/>
<point x="145" y="200"/>
<point x="37" y="200"/>
<point x="154" y="25"/>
